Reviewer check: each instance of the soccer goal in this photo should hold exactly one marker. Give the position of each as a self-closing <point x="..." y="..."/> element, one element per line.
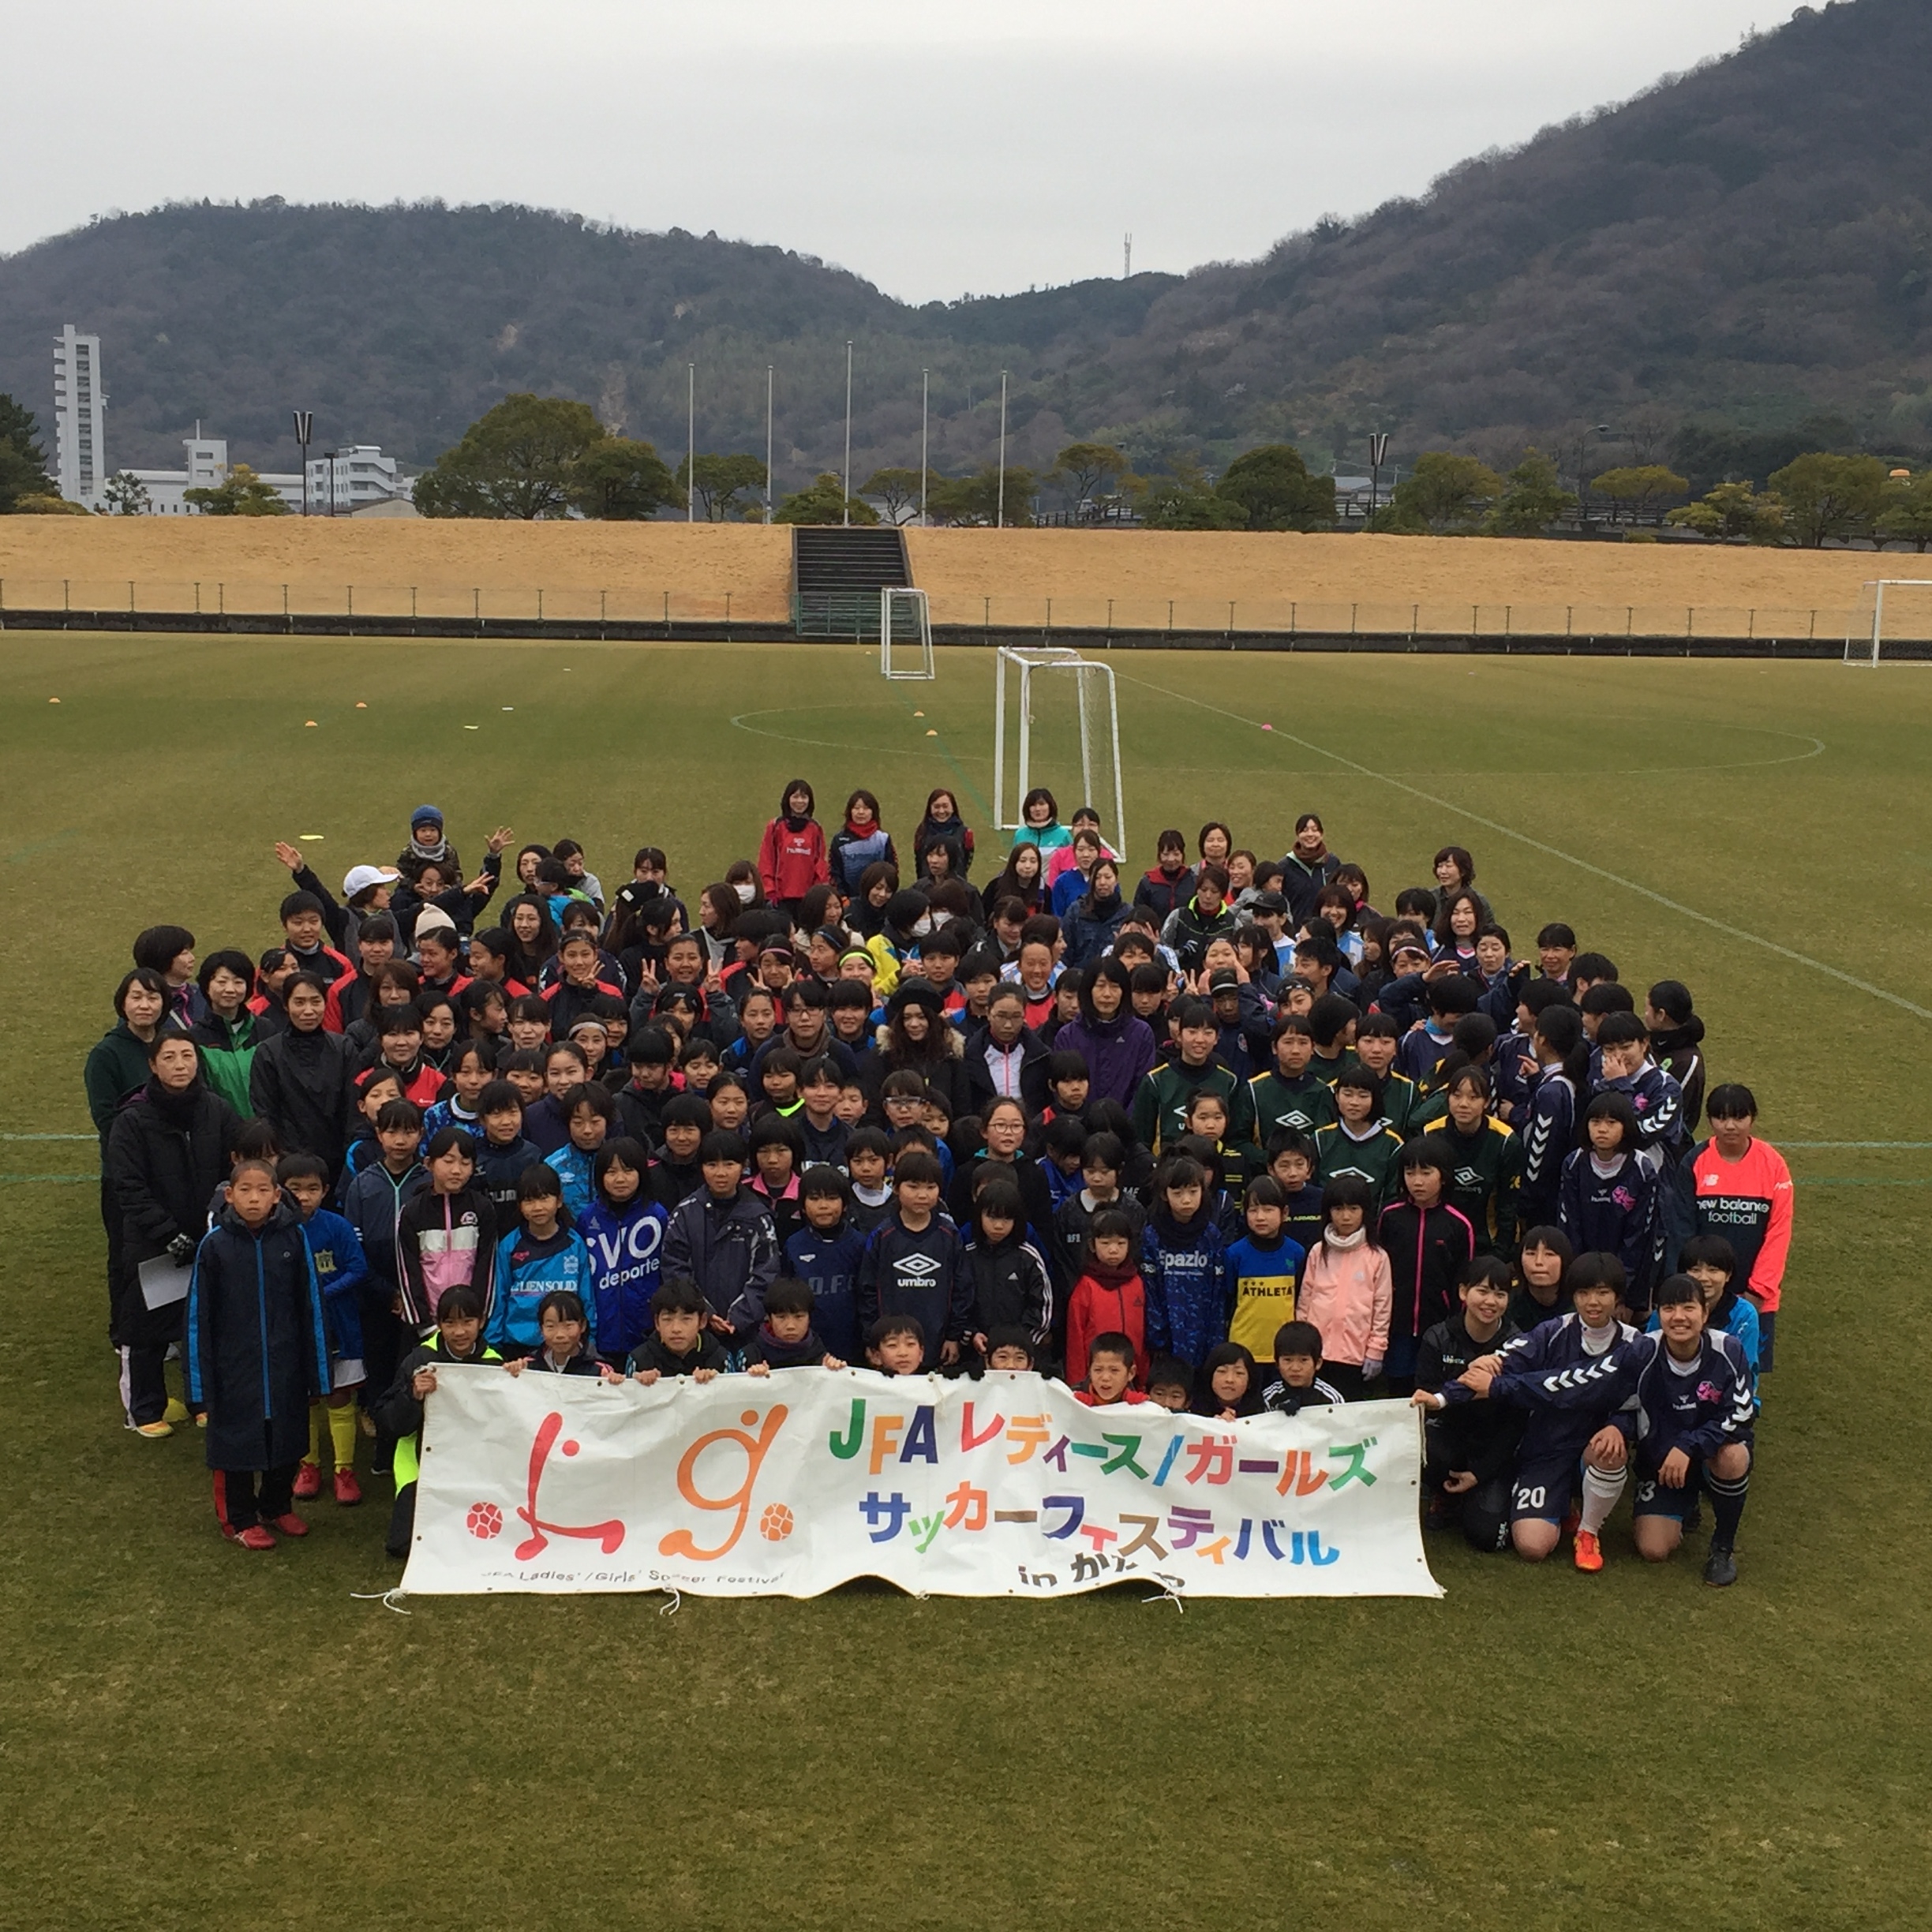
<point x="1894" y="623"/>
<point x="1065" y="727"/>
<point x="905" y="635"/>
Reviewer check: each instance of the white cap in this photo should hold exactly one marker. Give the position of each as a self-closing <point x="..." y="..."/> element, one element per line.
<point x="362" y="876"/>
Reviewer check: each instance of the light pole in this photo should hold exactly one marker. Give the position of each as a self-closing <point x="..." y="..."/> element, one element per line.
<point x="304" y="428"/>
<point x="1378" y="455"/>
<point x="845" y="494"/>
<point x="690" y="443"/>
<point x="768" y="442"/>
<point x="1601" y="431"/>
<point x="999" y="519"/>
<point x="925" y="402"/>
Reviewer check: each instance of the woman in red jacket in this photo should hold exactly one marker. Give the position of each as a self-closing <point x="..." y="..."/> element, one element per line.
<point x="791" y="860"/>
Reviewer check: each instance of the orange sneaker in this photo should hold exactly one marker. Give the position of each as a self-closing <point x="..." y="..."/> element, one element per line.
<point x="1589" y="1551"/>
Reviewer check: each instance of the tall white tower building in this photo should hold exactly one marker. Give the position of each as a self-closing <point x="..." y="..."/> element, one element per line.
<point x="79" y="410"/>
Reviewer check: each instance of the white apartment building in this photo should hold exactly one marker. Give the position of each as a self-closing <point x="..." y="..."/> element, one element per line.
<point x="206" y="468"/>
<point x="342" y="482"/>
<point x="79" y="410"/>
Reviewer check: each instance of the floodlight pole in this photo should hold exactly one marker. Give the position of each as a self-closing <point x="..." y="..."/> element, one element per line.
<point x="845" y="495"/>
<point x="304" y="428"/>
<point x="999" y="520"/>
<point x="768" y="442"/>
<point x="925" y="403"/>
<point x="690" y="443"/>
<point x="1378" y="455"/>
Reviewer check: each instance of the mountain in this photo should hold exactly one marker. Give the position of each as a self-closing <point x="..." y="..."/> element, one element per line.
<point x="1737" y="263"/>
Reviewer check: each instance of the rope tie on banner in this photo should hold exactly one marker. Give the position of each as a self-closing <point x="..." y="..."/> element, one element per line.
<point x="672" y="1608"/>
<point x="386" y="1598"/>
<point x="1168" y="1590"/>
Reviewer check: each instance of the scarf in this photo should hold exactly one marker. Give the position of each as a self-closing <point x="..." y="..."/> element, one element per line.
<point x="1345" y="1242"/>
<point x="1112" y="1280"/>
<point x="439" y="852"/>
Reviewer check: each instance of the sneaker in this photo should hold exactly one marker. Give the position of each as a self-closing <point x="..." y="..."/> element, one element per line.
<point x="155" y="1431"/>
<point x="254" y="1537"/>
<point x="366" y="1422"/>
<point x="1589" y="1551"/>
<point x="201" y="1420"/>
<point x="1694" y="1516"/>
<point x="307" y="1481"/>
<point x="348" y="1491"/>
<point x="1720" y="1567"/>
<point x="177" y="1411"/>
<point x="291" y="1525"/>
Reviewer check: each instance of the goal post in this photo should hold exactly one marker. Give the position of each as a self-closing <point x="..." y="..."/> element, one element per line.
<point x="1893" y="624"/>
<point x="906" y="635"/>
<point x="1060" y="714"/>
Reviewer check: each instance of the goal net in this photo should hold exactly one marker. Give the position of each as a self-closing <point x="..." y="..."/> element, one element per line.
<point x="1057" y="724"/>
<point x="1893" y="624"/>
<point x="905" y="635"/>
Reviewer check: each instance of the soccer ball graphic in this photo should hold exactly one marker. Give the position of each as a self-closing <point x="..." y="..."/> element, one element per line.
<point x="776" y="1524"/>
<point x="484" y="1521"/>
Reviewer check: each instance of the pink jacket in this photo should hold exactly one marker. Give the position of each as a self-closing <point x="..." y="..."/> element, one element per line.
<point x="1347" y="1293"/>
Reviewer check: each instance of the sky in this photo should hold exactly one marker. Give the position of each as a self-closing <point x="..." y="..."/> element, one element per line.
<point x="937" y="149"/>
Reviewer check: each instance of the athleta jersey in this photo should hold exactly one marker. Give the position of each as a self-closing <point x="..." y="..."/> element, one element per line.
<point x="1748" y="1201"/>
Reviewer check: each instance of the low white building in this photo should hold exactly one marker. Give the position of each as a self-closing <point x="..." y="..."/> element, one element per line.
<point x="208" y="468"/>
<point x="342" y="482"/>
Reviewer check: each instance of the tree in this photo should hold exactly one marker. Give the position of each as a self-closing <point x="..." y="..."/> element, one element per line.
<point x="898" y="490"/>
<point x="1087" y="471"/>
<point x="1533" y="499"/>
<point x="1273" y="485"/>
<point x="1182" y="502"/>
<point x="721" y="480"/>
<point x="126" y="494"/>
<point x="1907" y="517"/>
<point x="976" y="499"/>
<point x="516" y="460"/>
<point x="1731" y="513"/>
<point x="1633" y="490"/>
<point x="621" y="480"/>
<point x="18" y="427"/>
<point x="826" y="502"/>
<point x="1442" y="495"/>
<point x="23" y="461"/>
<point x="243" y="494"/>
<point x="1827" y="496"/>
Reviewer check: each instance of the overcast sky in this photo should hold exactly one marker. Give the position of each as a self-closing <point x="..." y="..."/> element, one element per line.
<point x="937" y="149"/>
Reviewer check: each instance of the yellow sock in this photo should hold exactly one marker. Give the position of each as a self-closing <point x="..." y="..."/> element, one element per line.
<point x="341" y="1427"/>
<point x="313" y="1458"/>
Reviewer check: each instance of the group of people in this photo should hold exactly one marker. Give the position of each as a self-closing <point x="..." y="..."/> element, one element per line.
<point x="1219" y="1135"/>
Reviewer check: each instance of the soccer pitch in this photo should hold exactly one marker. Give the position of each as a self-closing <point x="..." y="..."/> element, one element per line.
<point x="191" y="1739"/>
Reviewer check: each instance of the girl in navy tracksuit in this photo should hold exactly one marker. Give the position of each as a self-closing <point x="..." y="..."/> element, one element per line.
<point x="1184" y="1263"/>
<point x="1609" y="1195"/>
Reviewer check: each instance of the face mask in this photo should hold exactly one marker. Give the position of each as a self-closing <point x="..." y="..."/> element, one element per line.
<point x="745" y="893"/>
<point x="921" y="927"/>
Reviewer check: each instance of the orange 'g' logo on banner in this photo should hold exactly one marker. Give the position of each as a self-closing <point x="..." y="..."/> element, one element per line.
<point x="680" y="1542"/>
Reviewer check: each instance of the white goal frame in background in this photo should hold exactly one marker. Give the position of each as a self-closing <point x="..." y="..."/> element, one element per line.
<point x="905" y="621"/>
<point x="1058" y="659"/>
<point x="1865" y="643"/>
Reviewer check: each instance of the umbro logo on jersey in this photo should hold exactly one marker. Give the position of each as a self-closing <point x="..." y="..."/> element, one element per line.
<point x="919" y="1264"/>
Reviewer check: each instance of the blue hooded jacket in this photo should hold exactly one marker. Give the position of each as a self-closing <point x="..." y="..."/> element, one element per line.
<point x="524" y="1276"/>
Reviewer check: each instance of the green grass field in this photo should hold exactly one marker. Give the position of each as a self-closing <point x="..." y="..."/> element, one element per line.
<point x="190" y="1737"/>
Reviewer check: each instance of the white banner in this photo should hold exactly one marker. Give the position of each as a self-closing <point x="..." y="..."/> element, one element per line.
<point x="1006" y="1487"/>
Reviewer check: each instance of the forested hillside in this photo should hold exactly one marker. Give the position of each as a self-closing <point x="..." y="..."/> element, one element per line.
<point x="1735" y="265"/>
